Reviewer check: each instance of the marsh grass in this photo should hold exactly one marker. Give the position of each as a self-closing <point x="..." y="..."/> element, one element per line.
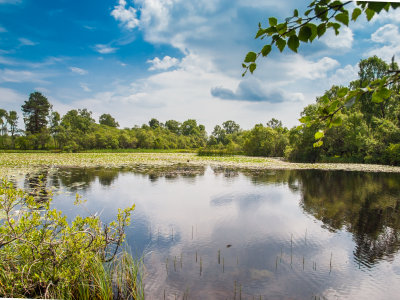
<point x="120" y="279"/>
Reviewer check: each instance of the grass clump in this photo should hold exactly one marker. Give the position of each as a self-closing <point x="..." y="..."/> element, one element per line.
<point x="42" y="255"/>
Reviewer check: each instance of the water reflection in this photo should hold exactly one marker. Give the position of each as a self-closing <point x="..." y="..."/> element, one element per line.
<point x="365" y="204"/>
<point x="215" y="233"/>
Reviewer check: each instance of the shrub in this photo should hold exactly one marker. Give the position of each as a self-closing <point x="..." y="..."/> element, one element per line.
<point x="42" y="255"/>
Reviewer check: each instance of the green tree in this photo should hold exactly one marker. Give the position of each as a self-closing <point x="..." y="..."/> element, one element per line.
<point x="320" y="16"/>
<point x="173" y="126"/>
<point x="12" y="120"/>
<point x="154" y="123"/>
<point x="36" y="110"/>
<point x="78" y="120"/>
<point x="108" y="120"/>
<point x="55" y="119"/>
<point x="219" y="134"/>
<point x="3" y="122"/>
<point x="274" y="123"/>
<point x="231" y="127"/>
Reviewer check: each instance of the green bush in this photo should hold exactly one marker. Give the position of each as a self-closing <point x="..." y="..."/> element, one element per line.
<point x="42" y="255"/>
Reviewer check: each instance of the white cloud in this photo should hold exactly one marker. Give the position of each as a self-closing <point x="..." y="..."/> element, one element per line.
<point x="127" y="16"/>
<point x="2" y="29"/>
<point x="104" y="49"/>
<point x="344" y="75"/>
<point x="85" y="87"/>
<point x="342" y="41"/>
<point x="164" y="64"/>
<point x="26" y="42"/>
<point x="7" y="75"/>
<point x="389" y="36"/>
<point x="393" y="15"/>
<point x="298" y="67"/>
<point x="78" y="70"/>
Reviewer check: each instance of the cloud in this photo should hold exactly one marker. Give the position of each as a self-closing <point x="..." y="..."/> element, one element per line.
<point x="298" y="67"/>
<point x="2" y="29"/>
<point x="7" y="75"/>
<point x="26" y="42"/>
<point x="393" y="15"/>
<point x="389" y="36"/>
<point x="164" y="64"/>
<point x="342" y="41"/>
<point x="253" y="90"/>
<point x="344" y="75"/>
<point x="126" y="16"/>
<point x="85" y="87"/>
<point x="104" y="49"/>
<point x="78" y="70"/>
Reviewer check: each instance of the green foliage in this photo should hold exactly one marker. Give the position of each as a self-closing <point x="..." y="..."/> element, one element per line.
<point x="108" y="120"/>
<point x="42" y="255"/>
<point x="36" y="110"/>
<point x="320" y="16"/>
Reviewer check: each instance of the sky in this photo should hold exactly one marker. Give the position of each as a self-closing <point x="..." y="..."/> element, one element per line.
<point x="174" y="59"/>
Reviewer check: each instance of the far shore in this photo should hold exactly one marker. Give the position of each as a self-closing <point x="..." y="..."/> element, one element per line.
<point x="16" y="162"/>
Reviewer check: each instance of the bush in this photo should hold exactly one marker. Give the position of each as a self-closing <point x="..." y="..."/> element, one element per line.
<point x="42" y="255"/>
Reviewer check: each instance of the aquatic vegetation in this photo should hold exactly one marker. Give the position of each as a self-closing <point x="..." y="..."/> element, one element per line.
<point x="14" y="163"/>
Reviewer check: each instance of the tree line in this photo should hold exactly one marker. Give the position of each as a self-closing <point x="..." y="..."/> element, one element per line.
<point x="365" y="131"/>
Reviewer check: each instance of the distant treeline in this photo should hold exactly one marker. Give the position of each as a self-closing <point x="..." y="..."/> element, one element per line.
<point x="367" y="132"/>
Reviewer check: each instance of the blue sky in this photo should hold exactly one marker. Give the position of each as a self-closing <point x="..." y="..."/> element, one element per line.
<point x="173" y="59"/>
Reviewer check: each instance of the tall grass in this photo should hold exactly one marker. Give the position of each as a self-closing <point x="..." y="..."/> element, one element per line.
<point x="119" y="280"/>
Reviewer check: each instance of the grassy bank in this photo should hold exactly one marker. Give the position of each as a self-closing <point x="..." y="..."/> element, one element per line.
<point x="11" y="163"/>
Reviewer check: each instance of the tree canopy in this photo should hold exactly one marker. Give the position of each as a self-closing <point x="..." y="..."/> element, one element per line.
<point x="36" y="110"/>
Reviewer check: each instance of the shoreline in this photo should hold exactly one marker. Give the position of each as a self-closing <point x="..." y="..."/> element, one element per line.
<point x="17" y="161"/>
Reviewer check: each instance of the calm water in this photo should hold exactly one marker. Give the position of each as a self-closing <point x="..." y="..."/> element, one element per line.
<point x="225" y="234"/>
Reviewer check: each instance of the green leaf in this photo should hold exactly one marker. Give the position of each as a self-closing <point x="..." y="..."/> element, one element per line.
<point x="260" y="32"/>
<point x="307" y="12"/>
<point x="321" y="29"/>
<point x="252" y="67"/>
<point x="295" y="13"/>
<point x="376" y="98"/>
<point x="342" y="92"/>
<point x="335" y="26"/>
<point x="293" y="43"/>
<point x="282" y="28"/>
<point x="380" y="95"/>
<point x="334" y="105"/>
<point x="337" y="121"/>
<point x="250" y="57"/>
<point x="377" y="6"/>
<point x="244" y="66"/>
<point x="343" y="18"/>
<point x="356" y="13"/>
<point x="273" y="21"/>
<point x="304" y="33"/>
<point x="314" y="31"/>
<point x="370" y="13"/>
<point x="305" y="119"/>
<point x="319" y="135"/>
<point x="271" y="30"/>
<point x="281" y="43"/>
<point x="318" y="144"/>
<point x="266" y="50"/>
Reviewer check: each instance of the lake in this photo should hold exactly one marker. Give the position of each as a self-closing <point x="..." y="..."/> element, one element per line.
<point x="217" y="233"/>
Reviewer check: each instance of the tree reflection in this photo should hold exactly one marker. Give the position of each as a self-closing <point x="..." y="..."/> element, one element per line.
<point x="365" y="204"/>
